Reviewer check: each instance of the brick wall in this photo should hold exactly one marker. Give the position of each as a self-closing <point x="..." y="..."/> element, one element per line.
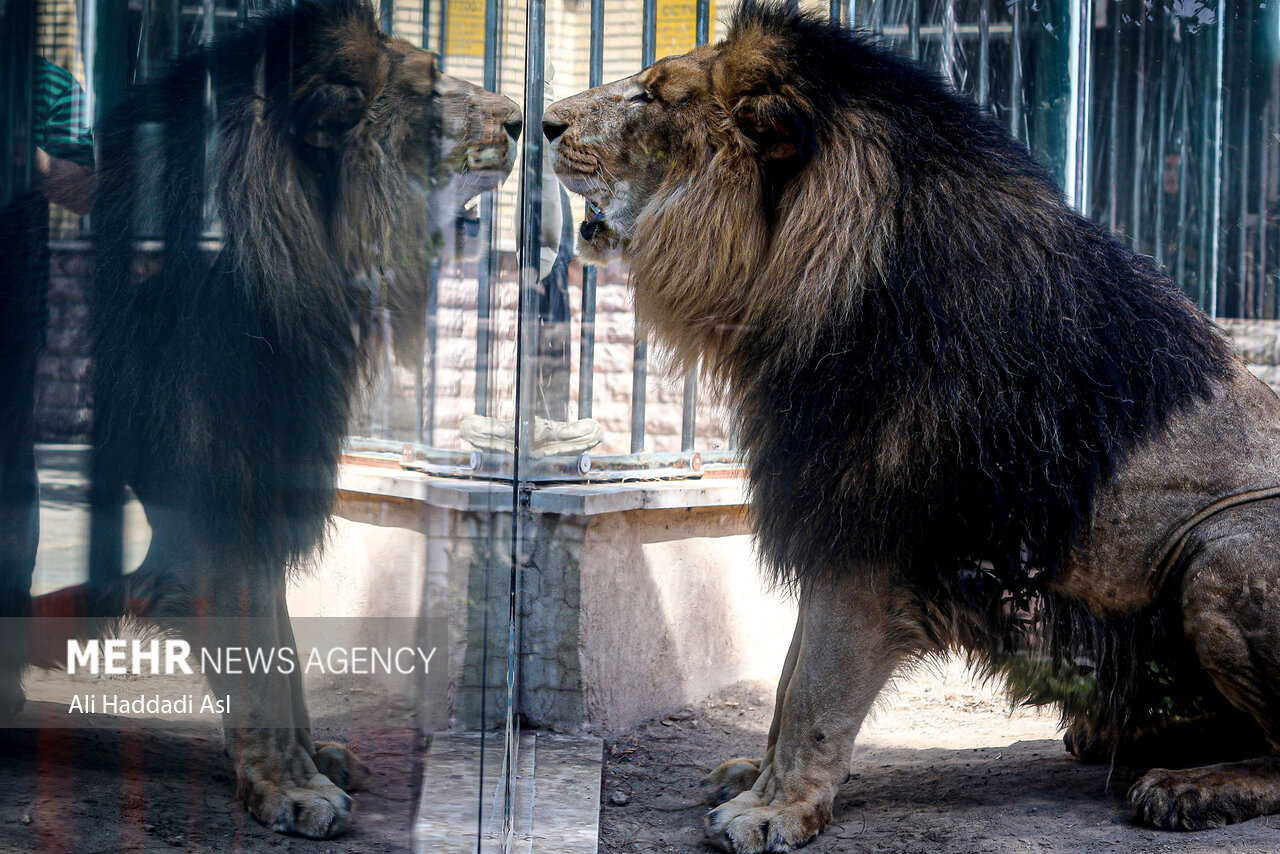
<point x="391" y="405"/>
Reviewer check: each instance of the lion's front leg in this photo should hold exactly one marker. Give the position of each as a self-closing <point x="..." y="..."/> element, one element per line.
<point x="285" y="780"/>
<point x="735" y="776"/>
<point x="850" y="640"/>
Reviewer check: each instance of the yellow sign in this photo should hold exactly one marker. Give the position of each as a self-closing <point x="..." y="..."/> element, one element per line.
<point x="464" y="28"/>
<point x="677" y="28"/>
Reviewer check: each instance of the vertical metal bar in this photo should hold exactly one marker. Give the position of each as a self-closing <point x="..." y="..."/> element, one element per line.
<point x="387" y="12"/>
<point x="984" y="53"/>
<point x="640" y="358"/>
<point x="834" y="12"/>
<point x="587" y="343"/>
<point x="530" y="231"/>
<point x="913" y="28"/>
<point x="1162" y="139"/>
<point x="1264" y="167"/>
<point x="427" y="409"/>
<point x="426" y="24"/>
<point x="949" y="44"/>
<point x="1215" y="246"/>
<point x="1184" y="92"/>
<point x="702" y="12"/>
<point x="442" y="37"/>
<point x="1246" y="131"/>
<point x="1015" y="76"/>
<point x="1139" y="141"/>
<point x="1113" y="125"/>
<point x="689" y="415"/>
<point x="587" y="350"/>
<point x="1080" y="71"/>
<point x="207" y="30"/>
<point x="1207" y="299"/>
<point x="487" y="260"/>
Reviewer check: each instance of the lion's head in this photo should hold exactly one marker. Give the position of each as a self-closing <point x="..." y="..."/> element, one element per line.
<point x="716" y="175"/>
<point x="342" y="154"/>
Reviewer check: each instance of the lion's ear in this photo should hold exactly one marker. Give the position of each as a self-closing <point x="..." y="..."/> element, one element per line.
<point x="771" y="121"/>
<point x="324" y="116"/>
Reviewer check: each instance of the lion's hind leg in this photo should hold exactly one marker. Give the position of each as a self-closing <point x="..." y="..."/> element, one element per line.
<point x="1230" y="600"/>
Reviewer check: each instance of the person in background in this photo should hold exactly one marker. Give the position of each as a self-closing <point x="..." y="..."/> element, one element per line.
<point x="63" y="172"/>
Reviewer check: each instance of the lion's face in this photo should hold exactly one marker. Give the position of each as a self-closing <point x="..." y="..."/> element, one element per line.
<point x="617" y="144"/>
<point x="457" y="138"/>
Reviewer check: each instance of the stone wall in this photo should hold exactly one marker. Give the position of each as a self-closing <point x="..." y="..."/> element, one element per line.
<point x="1258" y="342"/>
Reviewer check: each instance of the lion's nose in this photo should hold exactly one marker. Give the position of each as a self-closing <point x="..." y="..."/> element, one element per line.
<point x="552" y="129"/>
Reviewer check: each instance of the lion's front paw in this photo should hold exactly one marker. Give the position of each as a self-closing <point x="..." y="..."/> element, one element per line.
<point x="750" y="825"/>
<point x="730" y="779"/>
<point x="1211" y="796"/>
<point x="289" y="795"/>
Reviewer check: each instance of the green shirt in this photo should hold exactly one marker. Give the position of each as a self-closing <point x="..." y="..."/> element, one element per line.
<point x="59" y="121"/>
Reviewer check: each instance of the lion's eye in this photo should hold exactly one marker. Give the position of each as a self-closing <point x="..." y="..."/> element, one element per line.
<point x="644" y="96"/>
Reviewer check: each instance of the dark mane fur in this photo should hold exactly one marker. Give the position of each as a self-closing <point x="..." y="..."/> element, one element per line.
<point x="976" y="381"/>
<point x="936" y="362"/>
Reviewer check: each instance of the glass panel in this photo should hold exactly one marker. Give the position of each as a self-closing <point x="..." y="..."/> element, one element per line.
<point x="272" y="361"/>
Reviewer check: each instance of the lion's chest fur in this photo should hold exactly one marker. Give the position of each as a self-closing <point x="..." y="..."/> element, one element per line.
<point x="1212" y="449"/>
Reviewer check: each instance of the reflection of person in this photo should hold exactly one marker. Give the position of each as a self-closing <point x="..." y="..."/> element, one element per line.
<point x="64" y="165"/>
<point x="64" y="144"/>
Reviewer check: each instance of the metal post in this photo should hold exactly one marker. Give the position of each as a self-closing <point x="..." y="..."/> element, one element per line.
<point x="530" y="230"/>
<point x="1264" y="167"/>
<point x="1139" y="141"/>
<point x="1113" y="125"/>
<point x="1246" y="131"/>
<point x="442" y="37"/>
<point x="702" y="28"/>
<point x="639" y="364"/>
<point x="1015" y="77"/>
<point x="949" y="44"/>
<point x="1216" y="216"/>
<point x="1080" y="73"/>
<point x="1184" y="91"/>
<point x="1162" y="139"/>
<point x="984" y="53"/>
<point x="487" y="260"/>
<point x="913" y="29"/>
<point x="587" y="343"/>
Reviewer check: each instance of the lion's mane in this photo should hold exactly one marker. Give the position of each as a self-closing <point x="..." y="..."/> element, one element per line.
<point x="223" y="381"/>
<point x="936" y="362"/>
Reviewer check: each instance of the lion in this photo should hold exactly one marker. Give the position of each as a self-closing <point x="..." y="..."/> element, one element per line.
<point x="223" y="383"/>
<point x="959" y="402"/>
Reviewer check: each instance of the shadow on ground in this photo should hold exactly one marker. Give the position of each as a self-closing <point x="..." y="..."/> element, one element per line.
<point x="102" y="790"/>
<point x="1024" y="796"/>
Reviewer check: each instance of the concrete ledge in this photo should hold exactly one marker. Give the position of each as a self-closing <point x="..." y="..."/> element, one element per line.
<point x="588" y="499"/>
<point x="555" y="795"/>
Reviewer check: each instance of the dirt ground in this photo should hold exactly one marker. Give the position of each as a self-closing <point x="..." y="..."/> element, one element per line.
<point x="941" y="768"/>
<point x="171" y="789"/>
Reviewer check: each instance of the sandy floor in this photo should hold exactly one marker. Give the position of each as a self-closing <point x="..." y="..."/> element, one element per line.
<point x="942" y="768"/>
